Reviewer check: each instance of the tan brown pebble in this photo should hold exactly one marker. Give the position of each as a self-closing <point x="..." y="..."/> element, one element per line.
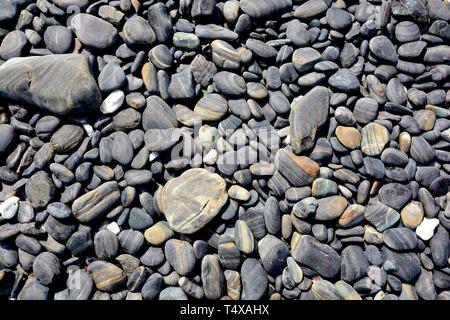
<point x="233" y="280"/>
<point x="224" y="55"/>
<point x="371" y="235"/>
<point x="128" y="263"/>
<point x="412" y="214"/>
<point x="346" y="291"/>
<point x="295" y="239"/>
<point x="191" y="288"/>
<point x="159" y="233"/>
<point x="404" y="141"/>
<point x="376" y="185"/>
<point x="425" y="119"/>
<point x="107" y="277"/>
<point x="353" y="215"/>
<point x="330" y="208"/>
<point x="148" y="73"/>
<point x="275" y="296"/>
<point x="180" y="255"/>
<point x="262" y="169"/>
<point x="374" y="137"/>
<point x="192" y="200"/>
<point x="348" y="136"/>
<point x="238" y="193"/>
<point x="243" y="237"/>
<point x="4" y="118"/>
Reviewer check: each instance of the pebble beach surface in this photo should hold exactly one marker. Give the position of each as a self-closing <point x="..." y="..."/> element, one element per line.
<point x="224" y="150"/>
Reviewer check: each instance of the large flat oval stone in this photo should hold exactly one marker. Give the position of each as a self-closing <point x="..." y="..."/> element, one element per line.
<point x="59" y="83"/>
<point x="191" y="200"/>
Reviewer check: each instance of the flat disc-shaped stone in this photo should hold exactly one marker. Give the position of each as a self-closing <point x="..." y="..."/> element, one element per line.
<point x="93" y="31"/>
<point x="191" y="200"/>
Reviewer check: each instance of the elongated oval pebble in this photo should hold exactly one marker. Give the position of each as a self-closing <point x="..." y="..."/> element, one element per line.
<point x="212" y="276"/>
<point x="243" y="237"/>
<point x="180" y="255"/>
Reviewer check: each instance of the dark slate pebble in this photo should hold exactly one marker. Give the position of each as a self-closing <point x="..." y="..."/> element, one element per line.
<point x="93" y="31"/>
<point x="46" y="268"/>
<point x="111" y="77"/>
<point x="59" y="210"/>
<point x="212" y="276"/>
<point x="58" y="39"/>
<point x="106" y="245"/>
<point x="80" y="285"/>
<point x="319" y="257"/>
<point x="273" y="253"/>
<point x="381" y="216"/>
<point x="180" y="255"/>
<point x="439" y="247"/>
<point x="131" y="241"/>
<point x="405" y="266"/>
<point x="383" y="49"/>
<point x="254" y="280"/>
<point x="395" y="195"/>
<point x="400" y="239"/>
<point x="344" y="80"/>
<point x="338" y="19"/>
<point x="33" y="290"/>
<point x="152" y="287"/>
<point x="354" y="263"/>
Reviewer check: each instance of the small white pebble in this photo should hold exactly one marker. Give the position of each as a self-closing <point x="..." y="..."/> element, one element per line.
<point x="8" y="208"/>
<point x="426" y="228"/>
<point x="113" y="227"/>
<point x="153" y="156"/>
<point x="88" y="128"/>
<point x="211" y="157"/>
<point x="112" y="102"/>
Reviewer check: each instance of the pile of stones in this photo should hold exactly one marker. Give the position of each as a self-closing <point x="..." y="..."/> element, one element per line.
<point x="209" y="149"/>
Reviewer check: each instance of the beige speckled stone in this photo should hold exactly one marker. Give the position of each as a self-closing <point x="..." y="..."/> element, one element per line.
<point x="348" y="136"/>
<point x="192" y="200"/>
<point x="412" y="214"/>
<point x="158" y="233"/>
